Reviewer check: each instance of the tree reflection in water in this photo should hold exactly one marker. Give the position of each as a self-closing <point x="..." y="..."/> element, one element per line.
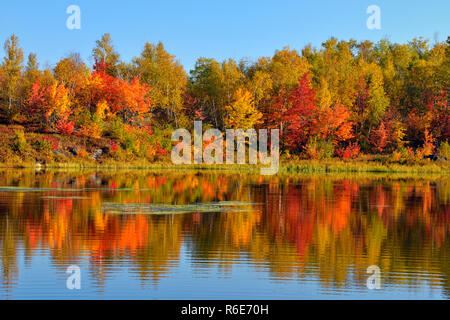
<point x="326" y="229"/>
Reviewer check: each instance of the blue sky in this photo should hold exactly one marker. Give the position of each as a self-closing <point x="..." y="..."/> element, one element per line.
<point x="211" y="28"/>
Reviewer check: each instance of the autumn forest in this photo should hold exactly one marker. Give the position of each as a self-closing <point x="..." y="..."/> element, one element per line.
<point x="364" y="133"/>
<point x="346" y="99"/>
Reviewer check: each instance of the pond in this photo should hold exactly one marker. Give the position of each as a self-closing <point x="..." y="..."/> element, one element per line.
<point x="216" y="235"/>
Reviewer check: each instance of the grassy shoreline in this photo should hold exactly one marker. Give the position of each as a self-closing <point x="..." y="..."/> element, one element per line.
<point x="20" y="149"/>
<point x="286" y="167"/>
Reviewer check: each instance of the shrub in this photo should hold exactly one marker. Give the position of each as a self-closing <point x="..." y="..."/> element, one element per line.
<point x="81" y="117"/>
<point x="319" y="149"/>
<point x="349" y="152"/>
<point x="19" y="142"/>
<point x="162" y="136"/>
<point x="444" y="149"/>
<point x="428" y="146"/>
<point x="161" y="152"/>
<point x="50" y="143"/>
<point x="93" y="130"/>
<point x="115" y="129"/>
<point x="82" y="153"/>
<point x="65" y="127"/>
<point x="90" y="125"/>
<point x="115" y="150"/>
<point x="129" y="142"/>
<point x="46" y="145"/>
<point x="396" y="156"/>
<point x="113" y="146"/>
<point x="404" y="154"/>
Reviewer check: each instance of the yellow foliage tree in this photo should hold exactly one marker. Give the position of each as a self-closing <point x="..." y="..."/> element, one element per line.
<point x="242" y="113"/>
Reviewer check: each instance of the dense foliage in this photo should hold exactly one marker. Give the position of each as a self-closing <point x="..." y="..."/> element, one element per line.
<point x="343" y="99"/>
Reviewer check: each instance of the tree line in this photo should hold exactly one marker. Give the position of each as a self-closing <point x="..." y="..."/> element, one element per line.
<point x="343" y="99"/>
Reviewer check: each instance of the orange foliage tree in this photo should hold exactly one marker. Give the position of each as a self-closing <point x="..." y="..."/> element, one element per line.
<point x="301" y="117"/>
<point x="380" y="138"/>
<point x="50" y="102"/>
<point x="127" y="99"/>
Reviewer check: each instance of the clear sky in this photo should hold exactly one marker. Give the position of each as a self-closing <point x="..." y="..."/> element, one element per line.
<point x="211" y="28"/>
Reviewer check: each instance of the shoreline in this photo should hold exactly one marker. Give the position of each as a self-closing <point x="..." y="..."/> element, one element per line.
<point x="287" y="167"/>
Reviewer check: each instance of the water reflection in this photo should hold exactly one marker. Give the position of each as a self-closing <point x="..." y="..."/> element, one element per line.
<point x="307" y="237"/>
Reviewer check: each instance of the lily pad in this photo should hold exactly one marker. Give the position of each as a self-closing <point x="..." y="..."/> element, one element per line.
<point x="150" y="208"/>
<point x="64" y="198"/>
<point x="26" y="189"/>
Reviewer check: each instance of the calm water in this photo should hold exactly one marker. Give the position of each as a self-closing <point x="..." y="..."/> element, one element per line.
<point x="139" y="235"/>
